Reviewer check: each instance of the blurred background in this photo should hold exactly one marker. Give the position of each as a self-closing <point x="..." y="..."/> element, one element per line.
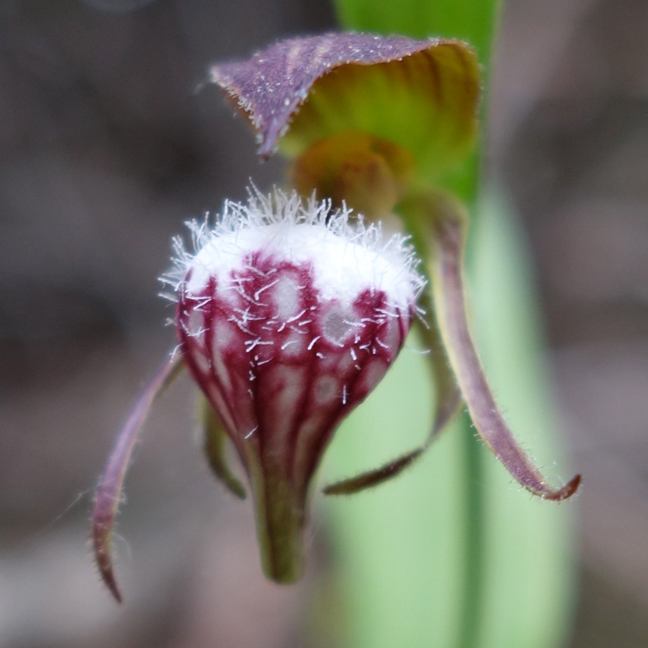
<point x="107" y="146"/>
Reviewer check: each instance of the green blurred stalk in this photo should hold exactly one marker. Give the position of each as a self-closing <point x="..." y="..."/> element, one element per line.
<point x="452" y="555"/>
<point x="474" y="21"/>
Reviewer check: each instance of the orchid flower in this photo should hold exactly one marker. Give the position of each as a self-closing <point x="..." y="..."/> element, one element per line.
<point x="290" y="310"/>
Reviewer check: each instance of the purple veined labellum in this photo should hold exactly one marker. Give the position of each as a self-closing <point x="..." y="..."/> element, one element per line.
<point x="288" y="316"/>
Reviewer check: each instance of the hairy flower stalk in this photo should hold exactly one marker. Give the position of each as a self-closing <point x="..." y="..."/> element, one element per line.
<point x="288" y="316"/>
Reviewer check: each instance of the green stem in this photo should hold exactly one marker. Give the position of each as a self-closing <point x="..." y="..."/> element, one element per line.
<point x="474" y="538"/>
<point x="280" y="521"/>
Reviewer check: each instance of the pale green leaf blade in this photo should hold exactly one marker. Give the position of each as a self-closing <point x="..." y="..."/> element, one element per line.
<point x="529" y="572"/>
<point x="470" y="20"/>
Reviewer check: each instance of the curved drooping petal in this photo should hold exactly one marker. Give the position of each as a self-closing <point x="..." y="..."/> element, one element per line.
<point x="108" y="493"/>
<point x="288" y="317"/>
<point x="418" y="95"/>
<point x="446" y="221"/>
<point x="448" y="402"/>
<point x="215" y="444"/>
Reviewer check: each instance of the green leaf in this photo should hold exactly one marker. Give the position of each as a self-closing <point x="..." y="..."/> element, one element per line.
<point x="452" y="554"/>
<point x="399" y="548"/>
<point x="470" y="20"/>
<point x="529" y="563"/>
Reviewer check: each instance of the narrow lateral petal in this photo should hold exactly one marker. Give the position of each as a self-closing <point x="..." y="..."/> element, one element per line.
<point x="446" y="271"/>
<point x="448" y="399"/>
<point x="215" y="447"/>
<point x="448" y="396"/>
<point x="375" y="477"/>
<point x="108" y="492"/>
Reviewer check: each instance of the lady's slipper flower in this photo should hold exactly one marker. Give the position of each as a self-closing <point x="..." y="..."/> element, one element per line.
<point x="288" y="315"/>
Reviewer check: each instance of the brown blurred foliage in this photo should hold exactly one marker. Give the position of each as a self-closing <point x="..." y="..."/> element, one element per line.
<point x="106" y="147"/>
